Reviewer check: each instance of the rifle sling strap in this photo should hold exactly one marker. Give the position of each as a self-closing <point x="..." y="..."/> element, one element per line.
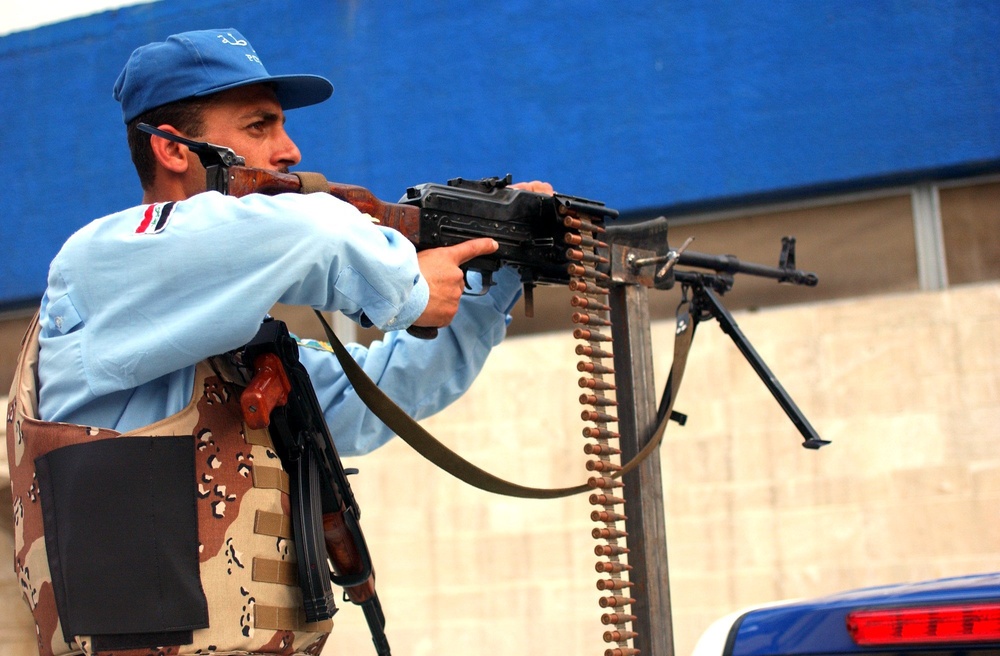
<point x="431" y="448"/>
<point x="312" y="182"/>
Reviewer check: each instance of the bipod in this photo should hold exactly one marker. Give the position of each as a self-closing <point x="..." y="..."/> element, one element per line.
<point x="706" y="304"/>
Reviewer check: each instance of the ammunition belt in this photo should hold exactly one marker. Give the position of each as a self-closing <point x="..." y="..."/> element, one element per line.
<point x="592" y="316"/>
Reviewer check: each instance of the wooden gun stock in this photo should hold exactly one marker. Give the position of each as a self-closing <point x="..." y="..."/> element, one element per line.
<point x="402" y="218"/>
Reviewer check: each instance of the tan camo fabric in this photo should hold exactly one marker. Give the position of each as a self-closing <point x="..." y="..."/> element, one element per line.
<point x="246" y="554"/>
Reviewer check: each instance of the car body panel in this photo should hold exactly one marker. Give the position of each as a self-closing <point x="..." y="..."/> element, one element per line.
<point x="819" y="626"/>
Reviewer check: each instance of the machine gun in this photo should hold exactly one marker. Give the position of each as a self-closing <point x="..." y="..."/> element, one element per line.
<point x="562" y="239"/>
<point x="325" y="515"/>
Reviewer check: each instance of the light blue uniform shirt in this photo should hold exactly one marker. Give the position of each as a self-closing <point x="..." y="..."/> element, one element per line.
<point x="132" y="305"/>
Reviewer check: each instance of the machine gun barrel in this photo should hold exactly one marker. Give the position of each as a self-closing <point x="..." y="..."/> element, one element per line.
<point x="643" y="246"/>
<point x="731" y="264"/>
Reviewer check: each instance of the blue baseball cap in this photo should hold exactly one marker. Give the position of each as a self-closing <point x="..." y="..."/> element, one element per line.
<point x="195" y="64"/>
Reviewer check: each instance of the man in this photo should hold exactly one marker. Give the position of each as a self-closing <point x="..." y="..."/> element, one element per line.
<point x="138" y="306"/>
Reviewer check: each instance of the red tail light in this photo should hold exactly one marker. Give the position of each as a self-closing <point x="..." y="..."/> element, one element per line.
<point x="929" y="624"/>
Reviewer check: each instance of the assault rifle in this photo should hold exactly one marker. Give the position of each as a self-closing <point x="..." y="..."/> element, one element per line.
<point x="325" y="515"/>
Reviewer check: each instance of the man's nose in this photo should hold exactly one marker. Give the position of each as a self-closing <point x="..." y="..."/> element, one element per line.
<point x="286" y="153"/>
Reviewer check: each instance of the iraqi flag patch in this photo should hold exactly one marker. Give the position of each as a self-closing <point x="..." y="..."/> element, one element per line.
<point x="155" y="218"/>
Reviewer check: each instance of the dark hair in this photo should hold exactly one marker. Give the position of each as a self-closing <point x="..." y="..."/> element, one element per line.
<point x="186" y="115"/>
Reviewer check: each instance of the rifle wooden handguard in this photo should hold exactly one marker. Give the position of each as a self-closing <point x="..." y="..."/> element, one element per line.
<point x="344" y="556"/>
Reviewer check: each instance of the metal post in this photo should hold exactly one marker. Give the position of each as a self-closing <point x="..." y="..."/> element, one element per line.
<point x="932" y="269"/>
<point x="643" y="491"/>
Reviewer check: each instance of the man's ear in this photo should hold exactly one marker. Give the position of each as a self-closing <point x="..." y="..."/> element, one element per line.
<point x="169" y="154"/>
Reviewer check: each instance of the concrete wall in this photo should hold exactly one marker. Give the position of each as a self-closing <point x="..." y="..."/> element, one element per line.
<point x="907" y="386"/>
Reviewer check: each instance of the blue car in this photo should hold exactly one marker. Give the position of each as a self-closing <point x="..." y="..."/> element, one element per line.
<point x="953" y="616"/>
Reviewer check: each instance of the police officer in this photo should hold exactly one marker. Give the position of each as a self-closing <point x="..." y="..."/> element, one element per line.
<point x="148" y="516"/>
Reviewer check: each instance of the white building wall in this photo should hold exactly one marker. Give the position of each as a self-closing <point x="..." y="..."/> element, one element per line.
<point x="906" y="386"/>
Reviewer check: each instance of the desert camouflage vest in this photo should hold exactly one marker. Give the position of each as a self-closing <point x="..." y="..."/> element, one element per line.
<point x="171" y="539"/>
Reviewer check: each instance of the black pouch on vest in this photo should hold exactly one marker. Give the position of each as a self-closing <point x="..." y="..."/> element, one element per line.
<point x="121" y="533"/>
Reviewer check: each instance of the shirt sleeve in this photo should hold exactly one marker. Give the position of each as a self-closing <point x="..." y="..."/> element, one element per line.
<point x="421" y="376"/>
<point x="148" y="303"/>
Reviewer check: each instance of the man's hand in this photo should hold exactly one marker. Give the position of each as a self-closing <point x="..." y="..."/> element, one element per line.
<point x="536" y="186"/>
<point x="440" y="268"/>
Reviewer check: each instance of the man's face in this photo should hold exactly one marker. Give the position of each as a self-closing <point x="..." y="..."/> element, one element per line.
<point x="250" y="121"/>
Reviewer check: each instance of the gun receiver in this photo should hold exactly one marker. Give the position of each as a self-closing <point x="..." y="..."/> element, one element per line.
<point x="325" y="515"/>
<point x="528" y="226"/>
